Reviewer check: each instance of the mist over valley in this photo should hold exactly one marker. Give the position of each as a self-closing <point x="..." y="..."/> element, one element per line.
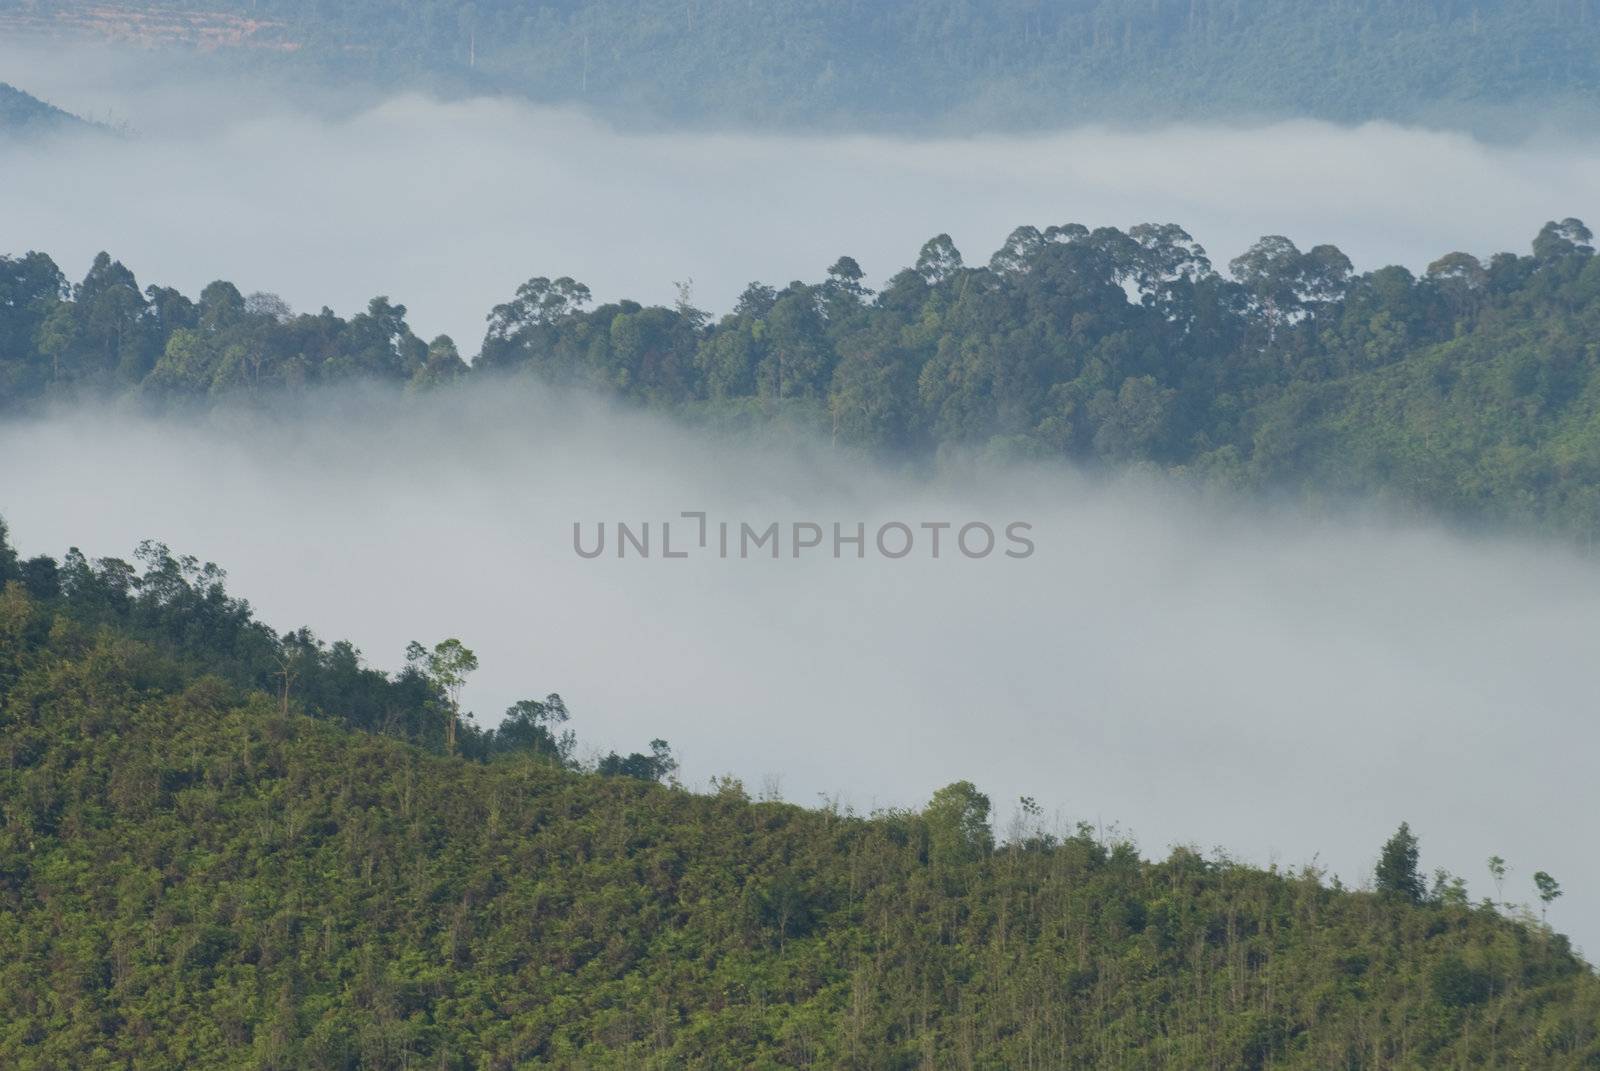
<point x="798" y="535"/>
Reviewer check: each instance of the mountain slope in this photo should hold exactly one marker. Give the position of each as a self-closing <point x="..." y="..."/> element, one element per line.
<point x="192" y="879"/>
<point x="21" y="113"/>
<point x="1015" y="62"/>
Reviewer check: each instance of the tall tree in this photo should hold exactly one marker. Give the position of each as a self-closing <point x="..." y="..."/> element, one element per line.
<point x="534" y="726"/>
<point x="1548" y="888"/>
<point x="1397" y="866"/>
<point x="1497" y="872"/>
<point x="109" y="305"/>
<point x="8" y="558"/>
<point x="446" y="667"/>
<point x="938" y="260"/>
<point x="958" y="824"/>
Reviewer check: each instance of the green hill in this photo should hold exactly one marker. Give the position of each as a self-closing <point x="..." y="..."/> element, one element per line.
<point x="192" y="877"/>
<point x="899" y="62"/>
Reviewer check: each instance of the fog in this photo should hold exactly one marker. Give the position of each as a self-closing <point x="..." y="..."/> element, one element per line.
<point x="332" y="197"/>
<point x="1196" y="673"/>
<point x="1216" y="675"/>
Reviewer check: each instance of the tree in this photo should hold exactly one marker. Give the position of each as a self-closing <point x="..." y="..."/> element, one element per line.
<point x="221" y="306"/>
<point x="533" y="726"/>
<point x="844" y="293"/>
<point x="1564" y="239"/>
<point x="799" y="358"/>
<point x="1268" y="270"/>
<point x="379" y="345"/>
<point x="288" y="660"/>
<point x="109" y="304"/>
<point x="685" y="307"/>
<point x="1130" y="423"/>
<point x="1167" y="252"/>
<point x="1324" y="274"/>
<point x="958" y="824"/>
<point x="1461" y="267"/>
<point x="296" y="656"/>
<point x="872" y="398"/>
<point x="446" y="668"/>
<point x="1459" y="278"/>
<point x="1284" y="281"/>
<point x="9" y="568"/>
<point x="1021" y="245"/>
<point x="1448" y="889"/>
<point x="31" y="287"/>
<point x="938" y="260"/>
<point x="1397" y="867"/>
<point x="1548" y="888"/>
<point x="755" y="301"/>
<point x="167" y="309"/>
<point x="442" y="365"/>
<point x="1497" y="871"/>
<point x="539" y="302"/>
<point x="656" y="766"/>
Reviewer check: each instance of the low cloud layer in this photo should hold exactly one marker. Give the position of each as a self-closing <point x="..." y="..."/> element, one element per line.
<point x="448" y="206"/>
<point x="1245" y="679"/>
<point x="1277" y="687"/>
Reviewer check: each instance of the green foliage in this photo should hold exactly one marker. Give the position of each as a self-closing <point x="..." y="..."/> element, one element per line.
<point x="1013" y="62"/>
<point x="1397" y="873"/>
<point x="1497" y="874"/>
<point x="1472" y="391"/>
<point x="1458" y="985"/>
<point x="958" y="824"/>
<point x="1548" y="887"/>
<point x="189" y="879"/>
<point x="180" y="610"/>
<point x="10" y="567"/>
<point x="445" y="667"/>
<point x="533" y="727"/>
<point x="658" y="765"/>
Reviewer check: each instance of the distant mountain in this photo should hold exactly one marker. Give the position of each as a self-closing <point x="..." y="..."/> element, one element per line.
<point x="23" y="113"/>
<point x="909" y="62"/>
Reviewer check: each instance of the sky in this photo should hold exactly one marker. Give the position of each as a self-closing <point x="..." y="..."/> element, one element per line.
<point x="448" y="206"/>
<point x="1285" y="688"/>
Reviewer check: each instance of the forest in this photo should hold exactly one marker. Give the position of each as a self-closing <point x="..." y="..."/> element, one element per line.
<point x="899" y="63"/>
<point x="1470" y="392"/>
<point x="221" y="846"/>
<point x="1316" y="541"/>
<point x="22" y="114"/>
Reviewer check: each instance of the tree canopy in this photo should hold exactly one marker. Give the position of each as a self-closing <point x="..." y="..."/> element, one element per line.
<point x="190" y="878"/>
<point x="1469" y="391"/>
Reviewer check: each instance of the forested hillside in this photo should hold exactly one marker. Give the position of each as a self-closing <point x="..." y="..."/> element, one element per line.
<point x="1009" y="62"/>
<point x="1472" y="391"/>
<point x="204" y="864"/>
<point x="22" y="113"/>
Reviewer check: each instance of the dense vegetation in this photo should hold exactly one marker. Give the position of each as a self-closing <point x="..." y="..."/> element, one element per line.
<point x="23" y="114"/>
<point x="1008" y="62"/>
<point x="177" y="611"/>
<point x="1472" y="391"/>
<point x="195" y="872"/>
